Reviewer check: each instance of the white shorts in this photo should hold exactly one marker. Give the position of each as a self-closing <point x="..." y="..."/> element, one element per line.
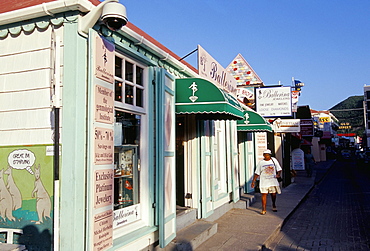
<point x="272" y="189"/>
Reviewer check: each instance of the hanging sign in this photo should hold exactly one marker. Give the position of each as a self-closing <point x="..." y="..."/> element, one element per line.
<point x="286" y="125"/>
<point x="307" y="128"/>
<point x="274" y="101"/>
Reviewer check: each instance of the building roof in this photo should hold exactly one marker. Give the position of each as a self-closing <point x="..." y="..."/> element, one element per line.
<point x="11" y="5"/>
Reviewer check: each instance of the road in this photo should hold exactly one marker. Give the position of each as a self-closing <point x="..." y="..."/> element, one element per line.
<point x="335" y="215"/>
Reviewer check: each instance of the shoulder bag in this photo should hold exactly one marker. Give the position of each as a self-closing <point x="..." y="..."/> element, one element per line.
<point x="278" y="179"/>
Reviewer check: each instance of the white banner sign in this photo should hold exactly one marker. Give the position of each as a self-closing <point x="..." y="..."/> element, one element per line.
<point x="286" y="125"/>
<point x="211" y="70"/>
<point x="261" y="145"/>
<point x="274" y="101"/>
<point x="295" y="96"/>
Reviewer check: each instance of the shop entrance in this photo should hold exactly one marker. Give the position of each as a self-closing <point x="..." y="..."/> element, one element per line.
<point x="180" y="161"/>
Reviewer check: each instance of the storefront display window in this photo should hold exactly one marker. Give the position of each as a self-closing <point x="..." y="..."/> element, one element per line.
<point x="126" y="159"/>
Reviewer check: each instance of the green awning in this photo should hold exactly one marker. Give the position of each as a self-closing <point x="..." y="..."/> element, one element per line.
<point x="201" y="97"/>
<point x="253" y="122"/>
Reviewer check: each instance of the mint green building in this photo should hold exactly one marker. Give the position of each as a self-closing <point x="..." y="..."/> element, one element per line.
<point x="99" y="142"/>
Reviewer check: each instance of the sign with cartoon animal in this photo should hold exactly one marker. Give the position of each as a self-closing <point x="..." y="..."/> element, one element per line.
<point x="26" y="189"/>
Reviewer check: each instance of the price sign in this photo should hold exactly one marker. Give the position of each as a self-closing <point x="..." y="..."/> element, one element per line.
<point x="103" y="146"/>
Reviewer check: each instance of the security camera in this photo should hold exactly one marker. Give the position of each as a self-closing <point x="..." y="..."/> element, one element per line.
<point x="114" y="16"/>
<point x="111" y="13"/>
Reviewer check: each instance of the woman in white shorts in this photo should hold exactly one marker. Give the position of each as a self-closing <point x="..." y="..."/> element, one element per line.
<point x="268" y="170"/>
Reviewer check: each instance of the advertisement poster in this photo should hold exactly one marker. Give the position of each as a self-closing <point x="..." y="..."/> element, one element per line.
<point x="104" y="146"/>
<point x="26" y="194"/>
<point x="103" y="230"/>
<point x="261" y="145"/>
<point x="104" y="107"/>
<point x="103" y="188"/>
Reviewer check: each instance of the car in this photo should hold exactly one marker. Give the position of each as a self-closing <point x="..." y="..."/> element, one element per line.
<point x="346" y="154"/>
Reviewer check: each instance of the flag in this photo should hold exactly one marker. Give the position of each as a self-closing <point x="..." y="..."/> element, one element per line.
<point x="298" y="83"/>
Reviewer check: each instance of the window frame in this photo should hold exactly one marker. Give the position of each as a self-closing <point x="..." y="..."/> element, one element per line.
<point x="122" y="104"/>
<point x="146" y="210"/>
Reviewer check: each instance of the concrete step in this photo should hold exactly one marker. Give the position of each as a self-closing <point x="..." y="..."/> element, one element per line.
<point x="193" y="236"/>
<point x="246" y="200"/>
<point x="184" y="217"/>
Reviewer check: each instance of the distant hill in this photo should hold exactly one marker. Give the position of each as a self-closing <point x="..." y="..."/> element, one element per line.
<point x="350" y="111"/>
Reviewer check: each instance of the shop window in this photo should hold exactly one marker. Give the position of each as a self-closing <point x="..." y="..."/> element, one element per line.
<point x="126" y="159"/>
<point x="129" y="85"/>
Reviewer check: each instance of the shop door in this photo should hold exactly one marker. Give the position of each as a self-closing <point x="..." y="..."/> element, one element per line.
<point x="165" y="156"/>
<point x="206" y="169"/>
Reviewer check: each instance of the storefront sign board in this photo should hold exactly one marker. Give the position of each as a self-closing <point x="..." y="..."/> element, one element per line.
<point x="211" y="70"/>
<point x="126" y="215"/>
<point x="307" y="128"/>
<point x="286" y="125"/>
<point x="104" y="60"/>
<point x="274" y="101"/>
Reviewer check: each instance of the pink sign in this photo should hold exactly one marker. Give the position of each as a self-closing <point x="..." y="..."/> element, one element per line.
<point x="103" y="188"/>
<point x="104" y="148"/>
<point x="104" y="60"/>
<point x="104" y="105"/>
<point x="103" y="230"/>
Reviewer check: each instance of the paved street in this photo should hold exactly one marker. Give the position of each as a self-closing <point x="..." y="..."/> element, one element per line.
<point x="335" y="215"/>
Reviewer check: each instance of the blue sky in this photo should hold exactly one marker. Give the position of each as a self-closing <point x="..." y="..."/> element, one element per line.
<point x="325" y="44"/>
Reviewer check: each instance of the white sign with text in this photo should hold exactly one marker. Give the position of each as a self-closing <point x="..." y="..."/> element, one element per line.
<point x="274" y="101"/>
<point x="211" y="70"/>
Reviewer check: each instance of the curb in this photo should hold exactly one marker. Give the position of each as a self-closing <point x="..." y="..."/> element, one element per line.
<point x="305" y="196"/>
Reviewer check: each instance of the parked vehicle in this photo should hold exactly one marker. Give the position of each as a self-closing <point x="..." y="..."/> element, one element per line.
<point x="346" y="154"/>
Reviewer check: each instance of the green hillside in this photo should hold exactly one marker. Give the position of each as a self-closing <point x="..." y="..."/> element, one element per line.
<point x="350" y="111"/>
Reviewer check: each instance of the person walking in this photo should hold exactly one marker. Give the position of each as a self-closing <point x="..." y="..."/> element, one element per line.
<point x="268" y="170"/>
<point x="309" y="162"/>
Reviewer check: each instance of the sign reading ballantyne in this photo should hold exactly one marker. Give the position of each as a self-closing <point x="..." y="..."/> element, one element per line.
<point x="211" y="70"/>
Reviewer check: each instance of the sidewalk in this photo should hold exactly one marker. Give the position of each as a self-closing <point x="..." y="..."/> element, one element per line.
<point x="247" y="229"/>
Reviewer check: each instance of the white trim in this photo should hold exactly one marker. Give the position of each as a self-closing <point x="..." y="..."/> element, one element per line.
<point x="43" y="9"/>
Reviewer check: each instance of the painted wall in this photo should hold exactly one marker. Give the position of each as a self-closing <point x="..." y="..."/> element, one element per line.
<point x="26" y="194"/>
<point x="25" y="94"/>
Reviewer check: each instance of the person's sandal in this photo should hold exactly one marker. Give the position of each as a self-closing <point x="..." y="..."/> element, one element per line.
<point x="263" y="212"/>
<point x="274" y="209"/>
